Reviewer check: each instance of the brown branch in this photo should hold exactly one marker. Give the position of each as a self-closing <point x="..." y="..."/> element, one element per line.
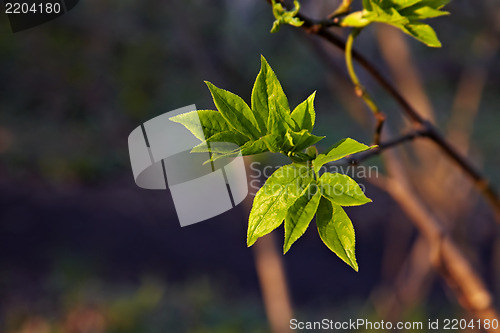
<point x="447" y="258"/>
<point x="380" y="118"/>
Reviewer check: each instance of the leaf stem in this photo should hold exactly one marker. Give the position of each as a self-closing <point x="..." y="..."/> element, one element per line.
<point x="360" y="90"/>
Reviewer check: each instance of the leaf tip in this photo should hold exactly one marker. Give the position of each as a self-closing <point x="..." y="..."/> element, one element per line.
<point x="251" y="239"/>
<point x="263" y="63"/>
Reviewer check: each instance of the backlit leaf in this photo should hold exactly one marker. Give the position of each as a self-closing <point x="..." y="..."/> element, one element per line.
<point x="340" y="150"/>
<point x="272" y="201"/>
<point x="235" y="111"/>
<point x="300" y="214"/>
<point x="336" y="231"/>
<point x="342" y="190"/>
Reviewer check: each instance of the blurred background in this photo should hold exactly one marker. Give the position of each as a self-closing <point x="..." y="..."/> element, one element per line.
<point x="83" y="249"/>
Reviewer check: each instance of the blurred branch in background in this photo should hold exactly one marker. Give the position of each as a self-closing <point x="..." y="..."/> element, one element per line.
<point x="460" y="276"/>
<point x="272" y="278"/>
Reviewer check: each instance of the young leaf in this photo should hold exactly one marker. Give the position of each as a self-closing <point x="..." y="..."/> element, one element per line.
<point x="300" y="214"/>
<point x="304" y="115"/>
<point x="227" y="136"/>
<point x="279" y="120"/>
<point x="403" y="14"/>
<point x="235" y="111"/>
<point x="267" y="96"/>
<point x="272" y="201"/>
<point x="283" y="16"/>
<point x="273" y="142"/>
<point x="221" y="150"/>
<point x="340" y="150"/>
<point x="356" y="20"/>
<point x="424" y="33"/>
<point x="254" y="147"/>
<point x="342" y="190"/>
<point x="214" y="150"/>
<point x="421" y="7"/>
<point x="211" y="123"/>
<point x="298" y="141"/>
<point x="336" y="231"/>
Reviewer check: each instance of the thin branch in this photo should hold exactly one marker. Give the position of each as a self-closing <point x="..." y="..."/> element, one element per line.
<point x="360" y="90"/>
<point x="360" y="157"/>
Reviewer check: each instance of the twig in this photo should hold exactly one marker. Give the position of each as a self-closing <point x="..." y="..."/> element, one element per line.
<point x="360" y="90"/>
<point x="360" y="157"/>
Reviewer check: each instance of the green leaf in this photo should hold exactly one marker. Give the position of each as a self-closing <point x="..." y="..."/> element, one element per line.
<point x="298" y="141"/>
<point x="266" y="89"/>
<point x="342" y="190"/>
<point x="269" y="102"/>
<point x="424" y="33"/>
<point x="283" y="16"/>
<point x="227" y="136"/>
<point x="254" y="147"/>
<point x="387" y="14"/>
<point x="249" y="148"/>
<point x="279" y="120"/>
<point x="272" y="201"/>
<point x="304" y="115"/>
<point x="300" y="214"/>
<point x="436" y="4"/>
<point x="336" y="231"/>
<point x="211" y="123"/>
<point x="340" y="150"/>
<point x="400" y="4"/>
<point x="403" y="14"/>
<point x="356" y="20"/>
<point x="420" y="12"/>
<point x="235" y="111"/>
<point x="273" y="142"/>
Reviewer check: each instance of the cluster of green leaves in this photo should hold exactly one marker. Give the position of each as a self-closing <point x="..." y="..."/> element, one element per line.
<point x="284" y="16"/>
<point x="268" y="125"/>
<point x="296" y="192"/>
<point x="405" y="15"/>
